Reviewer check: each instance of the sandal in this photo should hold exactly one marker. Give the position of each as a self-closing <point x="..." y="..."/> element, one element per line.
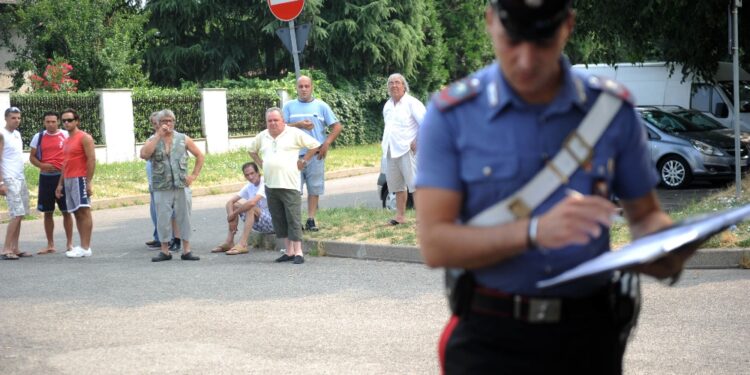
<point x="237" y="249"/>
<point x="46" y="251"/>
<point x="9" y="256"/>
<point x="24" y="254"/>
<point x="221" y="248"/>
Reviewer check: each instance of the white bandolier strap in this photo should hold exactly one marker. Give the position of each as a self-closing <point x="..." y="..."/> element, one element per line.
<point x="576" y="150"/>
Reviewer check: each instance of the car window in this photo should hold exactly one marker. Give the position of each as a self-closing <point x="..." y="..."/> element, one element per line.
<point x="700" y="120"/>
<point x="670" y="123"/>
<point x="704" y="98"/>
<point x="744" y="89"/>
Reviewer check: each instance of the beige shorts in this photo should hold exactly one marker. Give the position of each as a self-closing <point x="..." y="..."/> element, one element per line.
<point x="400" y="171"/>
<point x="17" y="197"/>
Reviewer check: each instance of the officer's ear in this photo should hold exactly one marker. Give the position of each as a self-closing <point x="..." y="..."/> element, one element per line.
<point x="489" y="17"/>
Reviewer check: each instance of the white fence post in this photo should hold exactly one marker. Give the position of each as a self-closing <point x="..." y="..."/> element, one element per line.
<point x="4" y="104"/>
<point x="118" y="127"/>
<point x="214" y="120"/>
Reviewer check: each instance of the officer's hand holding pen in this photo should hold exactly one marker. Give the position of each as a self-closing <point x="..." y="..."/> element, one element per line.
<point x="576" y="220"/>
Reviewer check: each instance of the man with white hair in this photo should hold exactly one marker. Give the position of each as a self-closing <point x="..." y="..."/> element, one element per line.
<point x="168" y="151"/>
<point x="402" y="115"/>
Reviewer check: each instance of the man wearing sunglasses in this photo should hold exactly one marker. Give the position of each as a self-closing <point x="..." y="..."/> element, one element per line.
<point x="13" y="183"/>
<point x="482" y="209"/>
<point x="79" y="163"/>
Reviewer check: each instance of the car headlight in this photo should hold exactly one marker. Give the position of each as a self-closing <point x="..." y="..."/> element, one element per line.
<point x="706" y="149"/>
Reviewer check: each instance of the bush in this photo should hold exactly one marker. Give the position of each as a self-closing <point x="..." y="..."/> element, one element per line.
<point x="358" y="105"/>
<point x="246" y="110"/>
<point x="34" y="105"/>
<point x="185" y="103"/>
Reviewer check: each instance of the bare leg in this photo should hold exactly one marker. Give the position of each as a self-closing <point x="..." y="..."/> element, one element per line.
<point x="85" y="225"/>
<point x="312" y="205"/>
<point x="68" y="225"/>
<point x="297" y="245"/>
<point x="14" y="226"/>
<point x="250" y="218"/>
<point x="232" y="228"/>
<point x="49" y="229"/>
<point x="289" y="249"/>
<point x="401" y="197"/>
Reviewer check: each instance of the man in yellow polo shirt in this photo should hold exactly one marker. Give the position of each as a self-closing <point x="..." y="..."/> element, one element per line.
<point x="276" y="150"/>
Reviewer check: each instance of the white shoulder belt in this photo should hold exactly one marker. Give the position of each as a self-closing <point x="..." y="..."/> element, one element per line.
<point x="577" y="149"/>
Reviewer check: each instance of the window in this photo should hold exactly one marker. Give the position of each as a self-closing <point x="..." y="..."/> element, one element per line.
<point x="704" y="98"/>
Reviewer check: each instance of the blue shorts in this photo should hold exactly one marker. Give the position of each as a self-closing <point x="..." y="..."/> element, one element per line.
<point x="313" y="175"/>
<point x="75" y="193"/>
<point x="46" y="197"/>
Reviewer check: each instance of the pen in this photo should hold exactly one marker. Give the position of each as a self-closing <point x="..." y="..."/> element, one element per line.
<point x="614" y="218"/>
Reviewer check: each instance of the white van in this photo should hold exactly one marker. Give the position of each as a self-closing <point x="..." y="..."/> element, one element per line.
<point x="651" y="84"/>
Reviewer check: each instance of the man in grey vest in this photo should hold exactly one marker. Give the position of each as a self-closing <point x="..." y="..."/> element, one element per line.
<point x="167" y="150"/>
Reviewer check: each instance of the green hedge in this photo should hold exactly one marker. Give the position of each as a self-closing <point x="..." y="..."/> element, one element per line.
<point x="246" y="110"/>
<point x="34" y="105"/>
<point x="186" y="105"/>
<point x="358" y="105"/>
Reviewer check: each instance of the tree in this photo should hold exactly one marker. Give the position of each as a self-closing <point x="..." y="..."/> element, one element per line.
<point x="99" y="38"/>
<point x="676" y="31"/>
<point x="465" y="37"/>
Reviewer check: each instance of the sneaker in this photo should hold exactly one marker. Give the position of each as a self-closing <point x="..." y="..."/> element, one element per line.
<point x="284" y="258"/>
<point x="189" y="256"/>
<point x="175" y="245"/>
<point x="310" y="225"/>
<point x="153" y="244"/>
<point x="78" y="252"/>
<point x="161" y="257"/>
<point x="298" y="259"/>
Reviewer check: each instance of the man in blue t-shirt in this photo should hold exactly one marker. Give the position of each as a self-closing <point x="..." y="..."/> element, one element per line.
<point x="313" y="116"/>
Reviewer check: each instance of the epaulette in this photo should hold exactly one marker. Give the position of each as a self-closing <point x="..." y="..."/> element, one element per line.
<point x="611" y="87"/>
<point x="458" y="92"/>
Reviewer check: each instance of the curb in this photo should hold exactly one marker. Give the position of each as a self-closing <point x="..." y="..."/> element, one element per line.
<point x="703" y="258"/>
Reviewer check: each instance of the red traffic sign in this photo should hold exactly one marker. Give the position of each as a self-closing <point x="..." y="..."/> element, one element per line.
<point x="286" y="10"/>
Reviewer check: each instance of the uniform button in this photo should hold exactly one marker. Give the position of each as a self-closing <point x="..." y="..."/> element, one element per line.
<point x="487" y="171"/>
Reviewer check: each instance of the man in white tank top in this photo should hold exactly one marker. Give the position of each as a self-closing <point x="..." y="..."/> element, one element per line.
<point x="13" y="183"/>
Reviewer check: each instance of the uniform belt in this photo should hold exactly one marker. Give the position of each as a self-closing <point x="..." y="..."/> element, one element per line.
<point x="538" y="309"/>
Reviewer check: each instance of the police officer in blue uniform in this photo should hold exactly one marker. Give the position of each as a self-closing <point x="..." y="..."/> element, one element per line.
<point x="484" y="138"/>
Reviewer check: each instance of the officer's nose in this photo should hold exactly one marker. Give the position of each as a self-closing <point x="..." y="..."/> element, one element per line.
<point x="526" y="55"/>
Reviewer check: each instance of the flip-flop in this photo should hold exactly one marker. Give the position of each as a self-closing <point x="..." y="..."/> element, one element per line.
<point x="221" y="248"/>
<point x="46" y="251"/>
<point x="236" y="249"/>
<point x="24" y="254"/>
<point x="393" y="222"/>
<point x="9" y="256"/>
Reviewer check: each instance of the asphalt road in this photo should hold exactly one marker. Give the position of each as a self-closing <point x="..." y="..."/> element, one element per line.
<point x="117" y="312"/>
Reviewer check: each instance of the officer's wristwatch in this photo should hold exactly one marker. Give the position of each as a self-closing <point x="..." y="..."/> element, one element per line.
<point x="531" y="235"/>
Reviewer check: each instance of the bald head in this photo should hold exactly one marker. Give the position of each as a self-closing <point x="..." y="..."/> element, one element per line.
<point x="304" y="89"/>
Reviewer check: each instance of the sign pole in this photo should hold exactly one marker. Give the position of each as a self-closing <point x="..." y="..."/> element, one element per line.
<point x="736" y="93"/>
<point x="295" y="54"/>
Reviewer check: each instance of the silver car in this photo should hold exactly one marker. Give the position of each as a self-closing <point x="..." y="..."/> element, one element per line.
<point x="683" y="151"/>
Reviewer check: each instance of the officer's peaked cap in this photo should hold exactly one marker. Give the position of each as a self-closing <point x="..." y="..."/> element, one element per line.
<point x="531" y="19"/>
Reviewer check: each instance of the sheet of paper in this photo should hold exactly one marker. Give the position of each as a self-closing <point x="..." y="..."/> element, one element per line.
<point x="655" y="245"/>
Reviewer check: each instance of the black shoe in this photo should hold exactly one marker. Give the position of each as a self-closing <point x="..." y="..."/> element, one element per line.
<point x="298" y="259"/>
<point x="153" y="243"/>
<point x="189" y="256"/>
<point x="310" y="225"/>
<point x="161" y="257"/>
<point x="284" y="258"/>
<point x="175" y="245"/>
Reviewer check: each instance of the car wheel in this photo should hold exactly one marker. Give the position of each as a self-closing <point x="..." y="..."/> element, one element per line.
<point x="389" y="199"/>
<point x="674" y="172"/>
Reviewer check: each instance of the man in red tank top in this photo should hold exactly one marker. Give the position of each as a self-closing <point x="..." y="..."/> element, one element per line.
<point x="79" y="163"/>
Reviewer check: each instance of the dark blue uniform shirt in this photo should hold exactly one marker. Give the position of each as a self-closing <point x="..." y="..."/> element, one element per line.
<point x="489" y="145"/>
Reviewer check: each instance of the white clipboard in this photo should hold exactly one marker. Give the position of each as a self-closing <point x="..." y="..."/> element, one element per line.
<point x="654" y="246"/>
